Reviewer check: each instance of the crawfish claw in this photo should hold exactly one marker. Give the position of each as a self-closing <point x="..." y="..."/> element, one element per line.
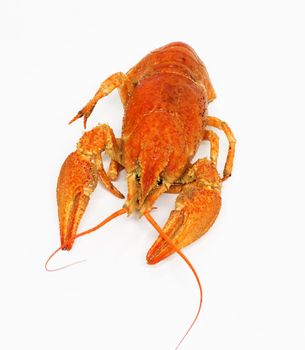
<point x="197" y="207"/>
<point x="76" y="181"/>
<point x="85" y="112"/>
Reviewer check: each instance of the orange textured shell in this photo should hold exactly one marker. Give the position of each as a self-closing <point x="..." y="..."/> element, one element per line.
<point x="172" y="90"/>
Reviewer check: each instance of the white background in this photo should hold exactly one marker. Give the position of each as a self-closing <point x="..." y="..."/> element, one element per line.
<point x="53" y="57"/>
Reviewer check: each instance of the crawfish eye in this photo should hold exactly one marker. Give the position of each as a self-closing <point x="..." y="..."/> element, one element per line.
<point x="159" y="182"/>
<point x="138" y="177"/>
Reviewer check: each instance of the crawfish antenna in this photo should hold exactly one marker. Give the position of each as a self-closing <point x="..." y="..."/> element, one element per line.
<point x="104" y="222"/>
<point x="62" y="267"/>
<point x="178" y="251"/>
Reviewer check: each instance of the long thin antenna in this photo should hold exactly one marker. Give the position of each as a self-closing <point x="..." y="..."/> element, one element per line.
<point x="178" y="251"/>
<point x="104" y="222"/>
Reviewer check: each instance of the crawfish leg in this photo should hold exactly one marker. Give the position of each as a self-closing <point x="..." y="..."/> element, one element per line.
<point x="114" y="166"/>
<point x="219" y="124"/>
<point x="114" y="170"/>
<point x="106" y="181"/>
<point x="209" y="135"/>
<point x="117" y="80"/>
<point x="113" y="150"/>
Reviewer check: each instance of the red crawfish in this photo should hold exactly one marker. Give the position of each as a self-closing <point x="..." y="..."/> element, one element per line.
<point x="165" y="98"/>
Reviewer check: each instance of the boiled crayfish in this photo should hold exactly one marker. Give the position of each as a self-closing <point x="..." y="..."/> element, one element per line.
<point x="165" y="98"/>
